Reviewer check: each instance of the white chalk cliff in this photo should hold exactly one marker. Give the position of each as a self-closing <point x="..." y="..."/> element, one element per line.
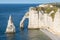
<point x="43" y="16"/>
<point x="56" y="22"/>
<point x="10" y="27"/>
<point x="33" y="17"/>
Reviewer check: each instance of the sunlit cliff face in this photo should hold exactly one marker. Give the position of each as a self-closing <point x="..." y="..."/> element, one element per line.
<point x="51" y="16"/>
<point x="47" y="8"/>
<point x="44" y="16"/>
<point x="57" y="21"/>
<point x="55" y="15"/>
<point x="33" y="18"/>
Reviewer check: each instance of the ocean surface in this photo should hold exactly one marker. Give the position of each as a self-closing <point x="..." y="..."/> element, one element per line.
<point x="17" y="12"/>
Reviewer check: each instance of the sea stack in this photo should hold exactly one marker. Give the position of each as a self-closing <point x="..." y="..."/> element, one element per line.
<point x="10" y="27"/>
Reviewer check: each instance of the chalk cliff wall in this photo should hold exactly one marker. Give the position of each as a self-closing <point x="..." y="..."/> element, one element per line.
<point x="43" y="16"/>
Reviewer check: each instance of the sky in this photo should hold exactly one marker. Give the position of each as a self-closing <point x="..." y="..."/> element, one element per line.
<point x="28" y="1"/>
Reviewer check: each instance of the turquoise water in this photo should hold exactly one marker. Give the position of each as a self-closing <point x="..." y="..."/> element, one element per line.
<point x="17" y="11"/>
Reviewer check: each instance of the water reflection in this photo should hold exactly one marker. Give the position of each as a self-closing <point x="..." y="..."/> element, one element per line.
<point x="37" y="35"/>
<point x="25" y="35"/>
<point x="10" y="36"/>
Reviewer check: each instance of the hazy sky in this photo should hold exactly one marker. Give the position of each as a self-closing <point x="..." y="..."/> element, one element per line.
<point x="28" y="1"/>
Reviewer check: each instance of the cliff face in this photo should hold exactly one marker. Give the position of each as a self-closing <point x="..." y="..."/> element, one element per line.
<point x="33" y="19"/>
<point x="57" y="21"/>
<point x="44" y="16"/>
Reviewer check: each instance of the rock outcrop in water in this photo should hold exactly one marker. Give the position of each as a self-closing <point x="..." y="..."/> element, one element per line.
<point x="45" y="16"/>
<point x="10" y="27"/>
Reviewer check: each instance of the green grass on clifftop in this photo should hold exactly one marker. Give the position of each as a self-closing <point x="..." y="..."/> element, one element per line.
<point x="47" y="10"/>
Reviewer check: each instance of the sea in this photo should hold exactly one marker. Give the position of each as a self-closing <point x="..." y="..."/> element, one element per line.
<point x="17" y="11"/>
